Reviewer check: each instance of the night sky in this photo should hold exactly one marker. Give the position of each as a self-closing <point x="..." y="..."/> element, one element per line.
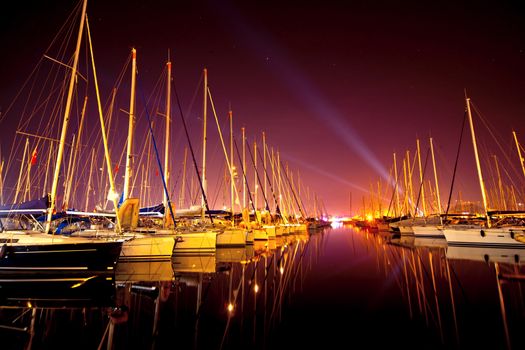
<point x="337" y="86"/>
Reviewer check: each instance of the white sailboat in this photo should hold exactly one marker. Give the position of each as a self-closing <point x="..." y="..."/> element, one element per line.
<point x="486" y="235"/>
<point x="199" y="239"/>
<point x="32" y="251"/>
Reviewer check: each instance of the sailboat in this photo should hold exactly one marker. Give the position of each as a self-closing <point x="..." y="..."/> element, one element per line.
<point x="199" y="238"/>
<point x="484" y="234"/>
<point x="36" y="249"/>
<point x="432" y="226"/>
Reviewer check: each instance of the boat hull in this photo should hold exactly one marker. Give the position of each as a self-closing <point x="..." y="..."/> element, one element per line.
<point x="148" y="248"/>
<point x="428" y="231"/>
<point x="204" y="242"/>
<point x="46" y="253"/>
<point x="484" y="237"/>
<point x="232" y="237"/>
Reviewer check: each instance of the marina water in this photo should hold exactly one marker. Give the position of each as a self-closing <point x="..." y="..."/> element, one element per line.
<point x="336" y="288"/>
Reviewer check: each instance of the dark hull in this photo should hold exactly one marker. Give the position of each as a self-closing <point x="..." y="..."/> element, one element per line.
<point x="59" y="258"/>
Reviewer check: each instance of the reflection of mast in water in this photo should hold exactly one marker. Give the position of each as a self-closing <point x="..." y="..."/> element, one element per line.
<point x="436" y="296"/>
<point x="32" y="328"/>
<point x="421" y="287"/>
<point x="453" y="303"/>
<point x="502" y="306"/>
<point x="407" y="285"/>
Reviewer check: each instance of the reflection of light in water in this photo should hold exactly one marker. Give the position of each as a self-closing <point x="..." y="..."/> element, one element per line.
<point x="337" y="224"/>
<point x="230" y="307"/>
<point x="282" y="270"/>
<point x="256" y="288"/>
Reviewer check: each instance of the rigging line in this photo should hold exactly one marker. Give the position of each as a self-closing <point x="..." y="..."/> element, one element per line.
<point x="156" y="152"/>
<point x="156" y="99"/>
<point x="455" y="165"/>
<point x="192" y="153"/>
<point x="490" y="130"/>
<point x="259" y="180"/>
<point x="293" y="192"/>
<point x="230" y="168"/>
<point x="277" y="209"/>
<point x="392" y="198"/>
<point x="422" y="182"/>
<point x="244" y="175"/>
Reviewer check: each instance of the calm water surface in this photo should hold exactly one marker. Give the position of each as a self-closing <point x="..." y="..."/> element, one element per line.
<point x="336" y="288"/>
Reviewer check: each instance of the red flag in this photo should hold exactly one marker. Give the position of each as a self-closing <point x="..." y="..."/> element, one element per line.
<point x="33" y="157"/>
<point x="157" y="172"/>
<point x="116" y="168"/>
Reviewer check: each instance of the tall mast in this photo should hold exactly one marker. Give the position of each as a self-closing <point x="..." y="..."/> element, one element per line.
<point x="478" y="165"/>
<point x="131" y="125"/>
<point x="67" y="196"/>
<point x="407" y="191"/>
<point x="205" y="104"/>
<point x="255" y="174"/>
<point x="1" y="183"/>
<point x="88" y="189"/>
<point x="396" y="187"/>
<point x="22" y="165"/>
<point x="435" y="176"/>
<point x="244" y="167"/>
<point x="104" y="135"/>
<point x="410" y="182"/>
<point x="183" y="185"/>
<point x="232" y="167"/>
<point x="167" y="140"/>
<point x="500" y="186"/>
<point x="421" y="178"/>
<point x="264" y="159"/>
<point x="519" y="152"/>
<point x="65" y="123"/>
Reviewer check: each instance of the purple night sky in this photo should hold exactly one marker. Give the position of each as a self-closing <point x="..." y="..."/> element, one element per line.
<point x="337" y="86"/>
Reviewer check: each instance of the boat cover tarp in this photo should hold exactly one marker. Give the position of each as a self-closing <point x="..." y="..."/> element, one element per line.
<point x="35" y="206"/>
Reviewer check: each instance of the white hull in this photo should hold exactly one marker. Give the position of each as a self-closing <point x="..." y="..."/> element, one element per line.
<point x="148" y="247"/>
<point x="259" y="234"/>
<point x="486" y="237"/>
<point x="428" y="231"/>
<point x="232" y="237"/>
<point x="405" y="230"/>
<point x="138" y="246"/>
<point x="249" y="237"/>
<point x="270" y="231"/>
<point x="198" y="242"/>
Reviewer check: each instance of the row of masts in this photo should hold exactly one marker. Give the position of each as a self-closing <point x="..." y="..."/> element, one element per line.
<point x="278" y="180"/>
<point x="425" y="198"/>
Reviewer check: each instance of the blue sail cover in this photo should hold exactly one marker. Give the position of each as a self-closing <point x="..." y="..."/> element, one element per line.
<point x="36" y="206"/>
<point x="154" y="210"/>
